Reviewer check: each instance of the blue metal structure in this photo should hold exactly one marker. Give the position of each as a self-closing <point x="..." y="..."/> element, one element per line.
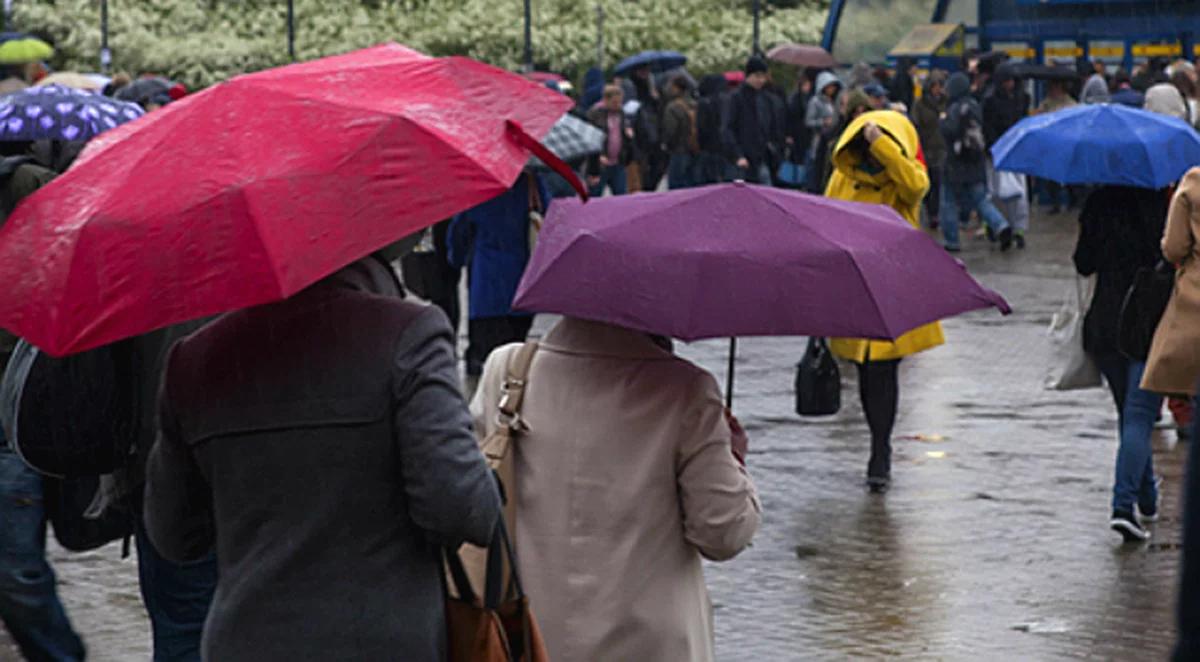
<point x="1120" y="32"/>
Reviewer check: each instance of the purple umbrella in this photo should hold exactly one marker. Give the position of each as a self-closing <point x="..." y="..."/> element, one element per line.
<point x="740" y="260"/>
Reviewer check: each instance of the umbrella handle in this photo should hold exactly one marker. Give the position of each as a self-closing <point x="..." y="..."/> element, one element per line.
<point x="522" y="138"/>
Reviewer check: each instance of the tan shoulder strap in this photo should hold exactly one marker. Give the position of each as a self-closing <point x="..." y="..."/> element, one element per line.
<point x="513" y="393"/>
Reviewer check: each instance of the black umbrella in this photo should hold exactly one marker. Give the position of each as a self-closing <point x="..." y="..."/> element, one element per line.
<point x="1042" y="72"/>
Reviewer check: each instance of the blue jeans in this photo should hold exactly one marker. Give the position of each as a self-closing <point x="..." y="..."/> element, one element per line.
<point x="1135" y="465"/>
<point x="681" y="171"/>
<point x="963" y="198"/>
<point x="29" y="604"/>
<point x="613" y="177"/>
<point x="177" y="598"/>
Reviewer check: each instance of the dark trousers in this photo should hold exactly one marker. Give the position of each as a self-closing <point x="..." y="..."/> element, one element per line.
<point x="446" y="295"/>
<point x="933" y="200"/>
<point x="177" y="597"/>
<point x="488" y="333"/>
<point x="879" y="388"/>
<point x="1115" y="368"/>
<point x="1188" y="647"/>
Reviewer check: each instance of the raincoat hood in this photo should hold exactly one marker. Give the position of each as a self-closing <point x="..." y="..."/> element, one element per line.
<point x="825" y="79"/>
<point x="895" y="127"/>
<point x="1095" y="91"/>
<point x="958" y="86"/>
<point x="1166" y="99"/>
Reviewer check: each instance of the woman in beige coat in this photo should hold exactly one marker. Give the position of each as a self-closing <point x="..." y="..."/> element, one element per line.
<point x="1174" y="363"/>
<point x="624" y="481"/>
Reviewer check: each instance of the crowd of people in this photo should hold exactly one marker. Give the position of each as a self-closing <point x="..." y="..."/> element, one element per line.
<point x="296" y="509"/>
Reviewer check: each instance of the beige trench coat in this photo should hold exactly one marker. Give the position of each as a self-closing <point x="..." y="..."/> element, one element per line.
<point x="1174" y="363"/>
<point x="624" y="480"/>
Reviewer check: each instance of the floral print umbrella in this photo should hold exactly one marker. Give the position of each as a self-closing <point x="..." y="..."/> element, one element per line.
<point x="55" y="112"/>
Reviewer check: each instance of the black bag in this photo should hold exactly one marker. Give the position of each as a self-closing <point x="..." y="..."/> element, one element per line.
<point x="67" y="501"/>
<point x="1142" y="309"/>
<point x="818" y="381"/>
<point x="75" y="416"/>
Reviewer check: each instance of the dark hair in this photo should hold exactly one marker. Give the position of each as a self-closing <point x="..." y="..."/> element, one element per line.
<point x="1184" y="83"/>
<point x="680" y="83"/>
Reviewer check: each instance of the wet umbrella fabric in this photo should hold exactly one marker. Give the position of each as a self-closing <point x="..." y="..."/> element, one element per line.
<point x="254" y="189"/>
<point x="800" y="55"/>
<point x="1100" y="144"/>
<point x="54" y="112"/>
<point x="19" y="48"/>
<point x="572" y="138"/>
<point x="741" y="260"/>
<point x="658" y="61"/>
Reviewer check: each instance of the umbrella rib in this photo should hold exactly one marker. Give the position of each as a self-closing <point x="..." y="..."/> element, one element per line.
<point x="853" y="260"/>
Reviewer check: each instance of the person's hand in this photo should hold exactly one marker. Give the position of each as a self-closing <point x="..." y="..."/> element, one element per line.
<point x="743" y="163"/>
<point x="629" y="133"/>
<point x="604" y="160"/>
<point x="739" y="443"/>
<point x="789" y="140"/>
<point x="872" y="132"/>
<point x="593" y="180"/>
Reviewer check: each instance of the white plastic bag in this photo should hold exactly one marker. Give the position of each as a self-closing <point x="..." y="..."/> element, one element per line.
<point x="1071" y="367"/>
<point x="1009" y="185"/>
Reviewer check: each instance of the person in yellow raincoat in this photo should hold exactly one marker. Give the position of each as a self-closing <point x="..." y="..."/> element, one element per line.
<point x="877" y="159"/>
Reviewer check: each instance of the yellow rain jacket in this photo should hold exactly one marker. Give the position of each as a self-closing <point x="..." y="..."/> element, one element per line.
<point x="901" y="185"/>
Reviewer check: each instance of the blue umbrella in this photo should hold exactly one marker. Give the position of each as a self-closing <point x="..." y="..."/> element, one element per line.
<point x="658" y="61"/>
<point x="1100" y="144"/>
<point x="54" y="112"/>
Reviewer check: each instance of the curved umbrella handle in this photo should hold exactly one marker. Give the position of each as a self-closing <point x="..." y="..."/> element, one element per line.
<point x="522" y="138"/>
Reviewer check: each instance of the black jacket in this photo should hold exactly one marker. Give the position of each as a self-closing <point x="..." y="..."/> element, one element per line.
<point x="1001" y="111"/>
<point x="963" y="113"/>
<point x="1119" y="232"/>
<point x="751" y="126"/>
<point x="323" y="446"/>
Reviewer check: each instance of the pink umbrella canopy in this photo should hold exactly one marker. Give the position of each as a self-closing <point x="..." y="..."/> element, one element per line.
<point x="801" y="55"/>
<point x="741" y="260"/>
<point x="254" y="189"/>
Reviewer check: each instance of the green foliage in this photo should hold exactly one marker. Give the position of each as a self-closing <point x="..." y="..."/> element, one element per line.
<point x="201" y="42"/>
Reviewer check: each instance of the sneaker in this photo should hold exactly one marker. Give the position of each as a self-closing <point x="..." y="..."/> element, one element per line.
<point x="1020" y="239"/>
<point x="1006" y="239"/>
<point x="878" y="484"/>
<point x="953" y="248"/>
<point x="989" y="233"/>
<point x="1127" y="525"/>
<point x="1151" y="514"/>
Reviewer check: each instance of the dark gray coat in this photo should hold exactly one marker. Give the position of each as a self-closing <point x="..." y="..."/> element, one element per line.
<point x="323" y="445"/>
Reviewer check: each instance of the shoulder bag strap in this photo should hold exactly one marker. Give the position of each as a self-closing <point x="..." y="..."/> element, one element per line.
<point x="513" y="393"/>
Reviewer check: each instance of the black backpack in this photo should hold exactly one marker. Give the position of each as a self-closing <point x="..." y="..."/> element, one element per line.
<point x="970" y="144"/>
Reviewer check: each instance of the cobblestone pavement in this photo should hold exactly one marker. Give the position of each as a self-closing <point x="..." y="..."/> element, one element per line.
<point x="992" y="545"/>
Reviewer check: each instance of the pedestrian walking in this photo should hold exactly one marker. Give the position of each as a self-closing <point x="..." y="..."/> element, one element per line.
<point x="822" y="120"/>
<point x="751" y="125"/>
<point x="1095" y="89"/>
<point x="492" y="240"/>
<point x="1188" y="89"/>
<point x="1125" y="94"/>
<point x="1174" y="363"/>
<point x="608" y="169"/>
<point x="1002" y="109"/>
<point x="630" y="472"/>
<point x="322" y="446"/>
<point x="679" y="134"/>
<point x="1167" y="99"/>
<point x="29" y="604"/>
<point x="964" y="176"/>
<point x="1119" y="232"/>
<point x="927" y="117"/>
<point x="714" y="162"/>
<point x="876" y="161"/>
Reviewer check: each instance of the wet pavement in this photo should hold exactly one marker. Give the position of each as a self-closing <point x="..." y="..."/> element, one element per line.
<point x="992" y="544"/>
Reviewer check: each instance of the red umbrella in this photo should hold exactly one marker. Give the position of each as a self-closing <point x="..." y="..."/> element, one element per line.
<point x="801" y="55"/>
<point x="254" y="189"/>
<point x="735" y="78"/>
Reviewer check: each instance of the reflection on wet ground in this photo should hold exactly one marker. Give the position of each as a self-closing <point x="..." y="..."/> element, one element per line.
<point x="992" y="545"/>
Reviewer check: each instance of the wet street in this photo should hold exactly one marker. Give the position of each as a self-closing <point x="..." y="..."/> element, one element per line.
<point x="993" y="543"/>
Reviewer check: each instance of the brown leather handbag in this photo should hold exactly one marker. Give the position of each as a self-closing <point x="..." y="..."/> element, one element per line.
<point x="501" y="627"/>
